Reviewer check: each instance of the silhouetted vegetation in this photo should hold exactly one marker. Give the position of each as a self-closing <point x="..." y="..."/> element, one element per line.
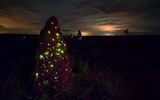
<point x="106" y="85"/>
<point x="102" y="67"/>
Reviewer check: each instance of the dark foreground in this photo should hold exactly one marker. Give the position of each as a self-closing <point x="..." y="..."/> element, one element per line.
<point x="112" y="68"/>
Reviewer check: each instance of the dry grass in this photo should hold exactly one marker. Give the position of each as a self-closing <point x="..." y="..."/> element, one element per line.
<point x="89" y="85"/>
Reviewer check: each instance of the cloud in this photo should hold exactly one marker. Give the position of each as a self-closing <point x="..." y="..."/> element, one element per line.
<point x="28" y="16"/>
<point x="1" y="26"/>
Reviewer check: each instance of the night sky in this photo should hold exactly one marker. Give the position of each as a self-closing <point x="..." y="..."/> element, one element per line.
<point x="92" y="17"/>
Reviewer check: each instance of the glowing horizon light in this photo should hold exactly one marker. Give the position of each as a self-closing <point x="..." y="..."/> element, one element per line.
<point x="85" y="33"/>
<point x="108" y="28"/>
<point x="109" y="34"/>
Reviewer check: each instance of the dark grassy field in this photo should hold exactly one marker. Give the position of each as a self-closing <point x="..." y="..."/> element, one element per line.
<point x="129" y="66"/>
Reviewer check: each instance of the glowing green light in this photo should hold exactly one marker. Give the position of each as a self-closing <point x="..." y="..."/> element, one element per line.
<point x="41" y="57"/>
<point x="51" y="65"/>
<point x="37" y="75"/>
<point x="45" y="82"/>
<point x="57" y="34"/>
<point x="49" y="49"/>
<point x="46" y="53"/>
<point x="57" y="54"/>
<point x="49" y="32"/>
<point x="58" y="50"/>
<point x="62" y="51"/>
<point x="58" y="44"/>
